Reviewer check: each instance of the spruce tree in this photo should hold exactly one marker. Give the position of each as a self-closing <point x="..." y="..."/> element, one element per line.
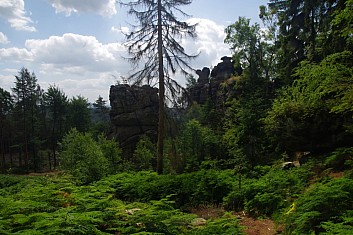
<point x="155" y="43"/>
<point x="26" y="96"/>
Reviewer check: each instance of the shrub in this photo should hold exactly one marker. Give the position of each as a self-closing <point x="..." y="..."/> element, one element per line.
<point x="55" y="205"/>
<point x="270" y="193"/>
<point x="112" y="152"/>
<point x="264" y="204"/>
<point x="82" y="157"/>
<point x="344" y="227"/>
<point x="322" y="203"/>
<point x="144" y="153"/>
<point x="212" y="185"/>
<point x="340" y="159"/>
<point x="206" y="186"/>
<point x="227" y="225"/>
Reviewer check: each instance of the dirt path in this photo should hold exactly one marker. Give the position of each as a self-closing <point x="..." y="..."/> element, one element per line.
<point x="258" y="227"/>
<point x="252" y="226"/>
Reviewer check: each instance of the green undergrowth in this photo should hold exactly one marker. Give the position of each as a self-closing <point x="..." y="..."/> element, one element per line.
<point x="56" y="205"/>
<point x="316" y="198"/>
<point x="206" y="186"/>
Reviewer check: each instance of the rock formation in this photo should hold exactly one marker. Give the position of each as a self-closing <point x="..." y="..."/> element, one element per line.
<point x="224" y="69"/>
<point x="207" y="87"/>
<point x="134" y="112"/>
<point x="134" y="109"/>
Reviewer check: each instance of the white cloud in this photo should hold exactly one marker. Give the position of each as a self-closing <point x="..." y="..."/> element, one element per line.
<point x="116" y="30"/>
<point x="6" y="82"/>
<point x="14" y="12"/>
<point x="3" y="38"/>
<point x="15" y="54"/>
<point x="123" y="30"/>
<point x="81" y="65"/>
<point x="209" y="41"/>
<point x="75" y="53"/>
<point x="89" y="87"/>
<point x="102" y="7"/>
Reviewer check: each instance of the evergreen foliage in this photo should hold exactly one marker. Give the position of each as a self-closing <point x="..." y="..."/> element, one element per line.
<point x="324" y="205"/>
<point x="56" y="103"/>
<point x="197" y="144"/>
<point x="79" y="115"/>
<point x="144" y="153"/>
<point x="314" y="113"/>
<point x="87" y="159"/>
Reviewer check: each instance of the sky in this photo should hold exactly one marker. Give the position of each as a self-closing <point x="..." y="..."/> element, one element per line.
<point x="78" y="45"/>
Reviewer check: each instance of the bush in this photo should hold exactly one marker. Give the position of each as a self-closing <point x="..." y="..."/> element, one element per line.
<point x="340" y="159"/>
<point x="112" y="152"/>
<point x="144" y="154"/>
<point x="270" y="193"/>
<point x="227" y="225"/>
<point x="82" y="157"/>
<point x="344" y="227"/>
<point x="264" y="204"/>
<point x="323" y="203"/>
<point x="206" y="186"/>
<point x="212" y="185"/>
<point x="54" y="205"/>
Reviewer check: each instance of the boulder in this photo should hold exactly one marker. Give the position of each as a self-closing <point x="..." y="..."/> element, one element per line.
<point x="287" y="165"/>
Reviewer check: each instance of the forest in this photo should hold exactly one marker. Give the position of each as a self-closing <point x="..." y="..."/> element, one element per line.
<point x="276" y="143"/>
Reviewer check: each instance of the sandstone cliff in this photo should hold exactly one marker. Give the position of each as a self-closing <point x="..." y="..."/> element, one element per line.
<point x="134" y="109"/>
<point x="134" y="112"/>
<point x="208" y="84"/>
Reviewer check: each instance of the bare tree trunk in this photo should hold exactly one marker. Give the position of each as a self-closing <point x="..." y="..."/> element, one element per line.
<point x="2" y="145"/>
<point x="33" y="144"/>
<point x="25" y="139"/>
<point x="161" y="131"/>
<point x="20" y="151"/>
<point x="11" y="158"/>
<point x="53" y="138"/>
<point x="158" y="39"/>
<point x="49" y="160"/>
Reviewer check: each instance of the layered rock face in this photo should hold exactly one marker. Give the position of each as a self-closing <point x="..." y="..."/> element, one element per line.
<point x="207" y="86"/>
<point x="134" y="109"/>
<point x="134" y="112"/>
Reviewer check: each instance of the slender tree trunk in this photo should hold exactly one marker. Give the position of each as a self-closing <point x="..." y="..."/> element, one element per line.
<point x="20" y="151"/>
<point x="11" y="158"/>
<point x="25" y="138"/>
<point x="33" y="144"/>
<point x="3" y="152"/>
<point x="49" y="160"/>
<point x="161" y="131"/>
<point x="53" y="138"/>
<point x="2" y="144"/>
<point x="313" y="34"/>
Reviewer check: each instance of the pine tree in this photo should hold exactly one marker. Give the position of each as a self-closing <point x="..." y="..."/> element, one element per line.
<point x="156" y="43"/>
<point x="26" y="97"/>
<point x="6" y="104"/>
<point x="57" y="104"/>
<point x="306" y="32"/>
<point x="79" y="116"/>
